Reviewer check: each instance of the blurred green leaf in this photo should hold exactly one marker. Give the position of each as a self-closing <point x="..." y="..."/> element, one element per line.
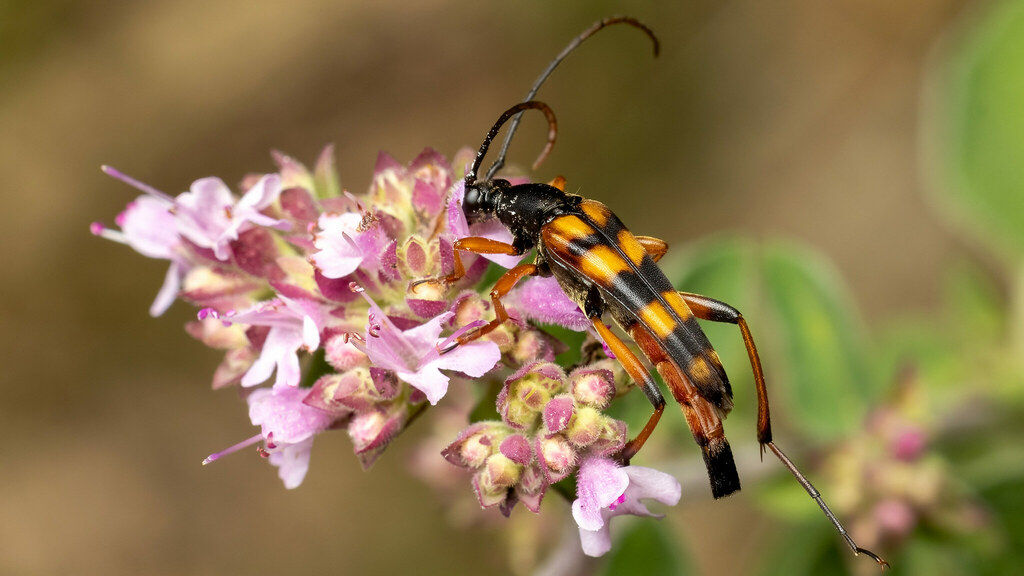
<point x="646" y="548"/>
<point x="978" y="126"/>
<point x="800" y="313"/>
<point x="807" y="551"/>
<point x="783" y="498"/>
<point x="724" y="268"/>
<point x="827" y="383"/>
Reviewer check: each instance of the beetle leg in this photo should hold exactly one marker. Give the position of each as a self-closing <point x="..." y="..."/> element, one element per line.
<point x="655" y="247"/>
<point x="473" y="244"/>
<point x="507" y="281"/>
<point x="716" y="311"/>
<point x="638" y="372"/>
<point x="558" y="182"/>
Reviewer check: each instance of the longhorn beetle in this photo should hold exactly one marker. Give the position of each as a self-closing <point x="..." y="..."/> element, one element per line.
<point x="603" y="267"/>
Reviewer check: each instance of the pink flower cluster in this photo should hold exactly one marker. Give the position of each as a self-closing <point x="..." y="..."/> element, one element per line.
<point x="306" y="288"/>
<point x="551" y="427"/>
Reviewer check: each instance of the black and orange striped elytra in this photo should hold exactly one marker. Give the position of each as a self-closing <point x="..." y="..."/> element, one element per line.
<point x="605" y="268"/>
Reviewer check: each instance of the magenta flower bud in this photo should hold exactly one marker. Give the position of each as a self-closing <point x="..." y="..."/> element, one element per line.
<point x="414" y="258"/>
<point x="469" y="307"/>
<point x="527" y="392"/>
<point x="557" y="456"/>
<point x="342" y="355"/>
<point x="908" y="444"/>
<point x="322" y="395"/>
<point x="432" y="177"/>
<point x="895" y="517"/>
<point x="558" y="413"/>
<point x="585" y="427"/>
<point x="298" y="205"/>
<point x="354" y="390"/>
<point x="371" y="431"/>
<point x="530" y="346"/>
<point x="517" y="449"/>
<point x="592" y="387"/>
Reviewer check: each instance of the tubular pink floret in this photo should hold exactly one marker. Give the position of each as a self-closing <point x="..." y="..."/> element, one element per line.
<point x="243" y="444"/>
<point x="141" y="186"/>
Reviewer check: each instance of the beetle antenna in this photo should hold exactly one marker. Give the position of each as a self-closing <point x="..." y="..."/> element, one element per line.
<point x="594" y="28"/>
<point x="813" y="492"/>
<point x="513" y="111"/>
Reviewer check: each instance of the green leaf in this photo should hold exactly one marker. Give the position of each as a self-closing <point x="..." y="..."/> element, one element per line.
<point x="646" y="548"/>
<point x="805" y="325"/>
<point x="975" y="126"/>
<point x="827" y="381"/>
<point x="809" y="550"/>
<point x="725" y="269"/>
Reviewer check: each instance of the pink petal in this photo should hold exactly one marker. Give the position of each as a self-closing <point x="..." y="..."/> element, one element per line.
<point x="292" y="462"/>
<point x="473" y="359"/>
<point x="169" y="290"/>
<point x="428" y="380"/>
<point x="600" y="482"/>
<point x="596" y="542"/>
<point x="542" y="300"/>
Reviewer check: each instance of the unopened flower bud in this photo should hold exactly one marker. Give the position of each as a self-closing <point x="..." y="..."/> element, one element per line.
<point x="500" y="472"/>
<point x="592" y="387"/>
<point x="476" y="444"/>
<point x="488" y="494"/>
<point x="517" y="448"/>
<point x="558" y="457"/>
<point x="585" y="427"/>
<point x="558" y="413"/>
<point x="373" y="429"/>
<point x="527" y="392"/>
<point x="415" y="259"/>
<point x="342" y="355"/>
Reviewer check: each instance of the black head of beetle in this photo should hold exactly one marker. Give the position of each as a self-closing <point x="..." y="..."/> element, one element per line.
<point x="524" y="208"/>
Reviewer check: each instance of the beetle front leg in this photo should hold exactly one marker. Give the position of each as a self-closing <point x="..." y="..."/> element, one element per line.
<point x="502" y="287"/>
<point x="476" y="245"/>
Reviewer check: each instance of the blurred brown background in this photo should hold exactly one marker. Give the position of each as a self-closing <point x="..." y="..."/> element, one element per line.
<point x="796" y="118"/>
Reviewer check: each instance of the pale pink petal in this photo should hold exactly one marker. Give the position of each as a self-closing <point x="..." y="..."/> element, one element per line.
<point x="596" y="542"/>
<point x="600" y="483"/>
<point x="473" y="359"/>
<point x="428" y="380"/>
<point x="149" y="227"/>
<point x="169" y="290"/>
<point x="292" y="462"/>
<point x="280" y="350"/>
<point x="338" y="255"/>
<point x="543" y="300"/>
<point x="283" y="417"/>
